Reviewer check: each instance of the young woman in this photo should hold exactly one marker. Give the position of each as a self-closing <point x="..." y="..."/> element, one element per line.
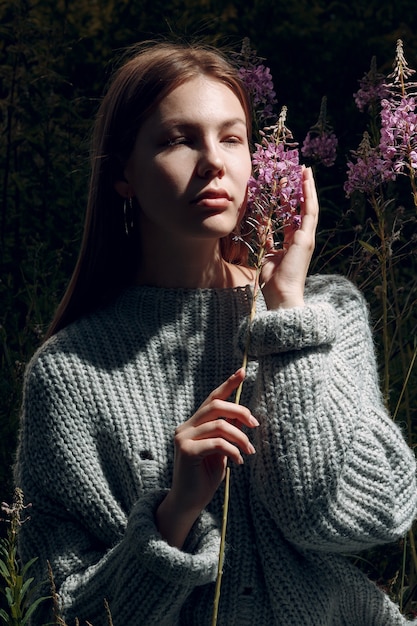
<point x="127" y="420"/>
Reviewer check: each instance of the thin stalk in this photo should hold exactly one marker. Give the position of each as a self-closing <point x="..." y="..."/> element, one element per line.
<point x="411" y="580"/>
<point x="227" y="475"/>
<point x="385" y="333"/>
<point x="108" y="613"/>
<point x="259" y="262"/>
<point x="413" y="548"/>
<point x="222" y="546"/>
<point x="407" y="378"/>
<point x="251" y="317"/>
<point x="383" y="261"/>
<point x="412" y="182"/>
<point x="403" y="574"/>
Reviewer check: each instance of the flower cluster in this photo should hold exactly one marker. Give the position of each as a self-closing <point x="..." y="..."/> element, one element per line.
<point x="258" y="81"/>
<point x="275" y="189"/>
<point x="399" y="80"/>
<point x="372" y="88"/>
<point x="14" y="511"/>
<point x="320" y="147"/>
<point x="369" y="170"/>
<point x="320" y="144"/>
<point x="394" y="151"/>
<point x="398" y="142"/>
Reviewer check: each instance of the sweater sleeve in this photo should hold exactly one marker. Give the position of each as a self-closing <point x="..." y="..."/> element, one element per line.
<point x="97" y="548"/>
<point x="332" y="470"/>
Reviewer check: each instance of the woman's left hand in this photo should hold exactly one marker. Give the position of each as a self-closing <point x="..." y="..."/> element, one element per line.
<point x="284" y="271"/>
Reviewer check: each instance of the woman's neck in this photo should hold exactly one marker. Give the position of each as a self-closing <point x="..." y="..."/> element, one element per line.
<point x="196" y="267"/>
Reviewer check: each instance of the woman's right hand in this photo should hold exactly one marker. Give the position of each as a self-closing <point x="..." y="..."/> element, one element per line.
<point x="203" y="445"/>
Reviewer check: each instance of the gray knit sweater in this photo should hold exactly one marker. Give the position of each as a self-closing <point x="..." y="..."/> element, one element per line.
<point x="331" y="475"/>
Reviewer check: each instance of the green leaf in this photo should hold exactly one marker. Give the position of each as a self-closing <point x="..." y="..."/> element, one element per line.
<point x="28" y="565"/>
<point x="368" y="247"/>
<point x="15" y="610"/>
<point x="13" y="552"/>
<point x="4" y="548"/>
<point x="33" y="608"/>
<point x="18" y="585"/>
<point x="25" y="587"/>
<point x="4" y="616"/>
<point x="9" y="596"/>
<point x="4" y="570"/>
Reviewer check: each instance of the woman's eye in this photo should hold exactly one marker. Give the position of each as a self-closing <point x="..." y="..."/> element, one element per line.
<point x="177" y="141"/>
<point x="232" y="140"/>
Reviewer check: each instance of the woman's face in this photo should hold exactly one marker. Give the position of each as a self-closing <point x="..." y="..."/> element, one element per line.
<point x="191" y="163"/>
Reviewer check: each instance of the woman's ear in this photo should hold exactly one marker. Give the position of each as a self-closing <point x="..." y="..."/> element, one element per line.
<point x="123" y="188"/>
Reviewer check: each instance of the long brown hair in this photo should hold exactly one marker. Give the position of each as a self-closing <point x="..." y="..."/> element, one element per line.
<point x="108" y="258"/>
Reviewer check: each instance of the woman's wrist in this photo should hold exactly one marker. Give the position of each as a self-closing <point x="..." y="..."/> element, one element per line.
<point x="173" y="523"/>
<point x="278" y="300"/>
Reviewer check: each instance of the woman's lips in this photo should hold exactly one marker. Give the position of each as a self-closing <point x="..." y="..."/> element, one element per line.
<point x="213" y="199"/>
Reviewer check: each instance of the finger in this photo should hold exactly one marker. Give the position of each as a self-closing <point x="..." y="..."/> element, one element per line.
<point x="216" y="409"/>
<point x="304" y="239"/>
<point x="225" y="430"/>
<point x="228" y="387"/>
<point x="269" y="242"/>
<point x="305" y="235"/>
<point x="217" y="444"/>
<point x="309" y="209"/>
<point x="310" y="206"/>
<point x="273" y="258"/>
<point x="289" y="231"/>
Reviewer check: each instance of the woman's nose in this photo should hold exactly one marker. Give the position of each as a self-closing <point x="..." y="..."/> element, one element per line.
<point x="210" y="163"/>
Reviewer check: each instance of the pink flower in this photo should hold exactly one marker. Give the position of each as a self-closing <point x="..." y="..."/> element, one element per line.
<point x="258" y="81"/>
<point x="321" y="147"/>
<point x="276" y="186"/>
<point x="366" y="174"/>
<point x="399" y="132"/>
<point x="370" y="169"/>
<point x="372" y="88"/>
<point x="396" y="152"/>
<point x="320" y="143"/>
<point x="369" y="95"/>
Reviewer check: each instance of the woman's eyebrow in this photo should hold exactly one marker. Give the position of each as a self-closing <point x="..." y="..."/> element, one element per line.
<point x="234" y="122"/>
<point x="184" y="124"/>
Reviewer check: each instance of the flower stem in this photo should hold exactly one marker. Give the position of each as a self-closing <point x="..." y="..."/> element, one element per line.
<point x="258" y="267"/>
<point x="383" y="263"/>
<point x="222" y="546"/>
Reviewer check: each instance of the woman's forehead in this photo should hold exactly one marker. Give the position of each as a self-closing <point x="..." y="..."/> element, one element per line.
<point x="199" y="97"/>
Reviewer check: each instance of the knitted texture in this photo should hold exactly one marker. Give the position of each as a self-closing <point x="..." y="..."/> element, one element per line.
<point x="332" y="473"/>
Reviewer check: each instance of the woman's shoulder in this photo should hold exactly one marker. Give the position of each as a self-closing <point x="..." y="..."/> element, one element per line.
<point x="77" y="340"/>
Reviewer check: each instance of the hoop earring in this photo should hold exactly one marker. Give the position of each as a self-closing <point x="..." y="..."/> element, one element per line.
<point x="237" y="232"/>
<point x="128" y="216"/>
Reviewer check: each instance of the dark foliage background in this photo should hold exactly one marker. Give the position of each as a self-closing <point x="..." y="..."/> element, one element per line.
<point x="55" y="59"/>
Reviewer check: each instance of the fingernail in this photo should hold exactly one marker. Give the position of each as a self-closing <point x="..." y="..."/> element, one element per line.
<point x="253" y="421"/>
<point x="251" y="449"/>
